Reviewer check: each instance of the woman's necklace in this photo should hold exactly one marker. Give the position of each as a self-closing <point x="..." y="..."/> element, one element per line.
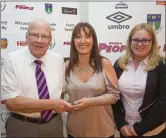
<point x="83" y="70"/>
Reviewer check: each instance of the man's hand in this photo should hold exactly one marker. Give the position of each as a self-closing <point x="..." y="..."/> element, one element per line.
<point x="60" y="105"/>
<point x="81" y="104"/>
<point x="125" y="131"/>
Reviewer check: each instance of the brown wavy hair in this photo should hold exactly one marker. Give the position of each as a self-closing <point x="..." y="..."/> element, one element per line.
<point x="95" y="59"/>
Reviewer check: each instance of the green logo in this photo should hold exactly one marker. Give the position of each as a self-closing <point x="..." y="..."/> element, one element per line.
<point x="48" y="8"/>
<point x="52" y="43"/>
<point x="155" y="21"/>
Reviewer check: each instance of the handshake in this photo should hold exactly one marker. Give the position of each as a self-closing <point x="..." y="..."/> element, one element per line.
<point x="60" y="105"/>
<point x="128" y="131"/>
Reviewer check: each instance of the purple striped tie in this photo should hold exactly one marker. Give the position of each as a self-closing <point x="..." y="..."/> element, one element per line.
<point x="42" y="89"/>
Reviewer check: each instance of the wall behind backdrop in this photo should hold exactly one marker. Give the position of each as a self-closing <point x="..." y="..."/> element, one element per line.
<point x="111" y="20"/>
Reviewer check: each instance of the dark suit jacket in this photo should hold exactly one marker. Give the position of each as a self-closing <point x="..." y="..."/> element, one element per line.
<point x="153" y="108"/>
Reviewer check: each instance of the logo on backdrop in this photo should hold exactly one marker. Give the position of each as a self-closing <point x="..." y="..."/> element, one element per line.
<point x="121" y="5"/>
<point x="112" y="47"/>
<point x="4" y="116"/>
<point x="161" y="2"/>
<point x="24" y="7"/>
<point x="118" y="17"/>
<point x="24" y="43"/>
<point x="67" y="10"/>
<point x="155" y="21"/>
<point x="4" y="43"/>
<point x="3" y="25"/>
<point x="21" y="43"/>
<point x="69" y="27"/>
<point x="48" y="8"/>
<point x="68" y="43"/>
<point x="3" y="5"/>
<point x="23" y="25"/>
<point x="53" y="25"/>
<point x="53" y="42"/>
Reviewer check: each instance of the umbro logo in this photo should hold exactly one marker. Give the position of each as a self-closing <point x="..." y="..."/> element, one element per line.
<point x="118" y="17"/>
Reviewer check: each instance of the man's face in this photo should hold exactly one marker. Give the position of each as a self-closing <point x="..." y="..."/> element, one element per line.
<point x="38" y="39"/>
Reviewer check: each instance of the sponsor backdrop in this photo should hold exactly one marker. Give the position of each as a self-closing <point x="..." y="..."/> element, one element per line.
<point x="111" y="20"/>
<point x="115" y="20"/>
<point x="15" y="18"/>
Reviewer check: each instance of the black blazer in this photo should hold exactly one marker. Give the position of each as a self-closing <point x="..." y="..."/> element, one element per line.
<point x="153" y="108"/>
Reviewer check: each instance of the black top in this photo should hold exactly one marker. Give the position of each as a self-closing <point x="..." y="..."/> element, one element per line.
<point x="153" y="108"/>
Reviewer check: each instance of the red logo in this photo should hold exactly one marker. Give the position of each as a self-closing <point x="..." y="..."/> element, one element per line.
<point x="24" y="7"/>
<point x="112" y="47"/>
<point x="160" y="2"/>
<point x="67" y="43"/>
<point x="21" y="43"/>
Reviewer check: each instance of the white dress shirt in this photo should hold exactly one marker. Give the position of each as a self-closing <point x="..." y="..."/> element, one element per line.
<point x="18" y="75"/>
<point x="132" y="85"/>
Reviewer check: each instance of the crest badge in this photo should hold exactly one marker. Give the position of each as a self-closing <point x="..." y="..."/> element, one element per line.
<point x="48" y="8"/>
<point x="155" y="21"/>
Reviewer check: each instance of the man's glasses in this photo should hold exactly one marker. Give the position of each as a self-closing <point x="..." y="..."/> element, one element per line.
<point x="144" y="42"/>
<point x="37" y="36"/>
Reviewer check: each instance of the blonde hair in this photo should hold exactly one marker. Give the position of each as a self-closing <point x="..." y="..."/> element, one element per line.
<point x="154" y="55"/>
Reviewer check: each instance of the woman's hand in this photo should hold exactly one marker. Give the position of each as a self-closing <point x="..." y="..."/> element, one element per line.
<point x="81" y="104"/>
<point x="125" y="131"/>
<point x="132" y="131"/>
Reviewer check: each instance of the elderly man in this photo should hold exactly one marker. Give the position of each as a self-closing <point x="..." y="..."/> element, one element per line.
<point x="32" y="80"/>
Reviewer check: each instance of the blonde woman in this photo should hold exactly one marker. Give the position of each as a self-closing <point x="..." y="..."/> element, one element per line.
<point x="141" y="72"/>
